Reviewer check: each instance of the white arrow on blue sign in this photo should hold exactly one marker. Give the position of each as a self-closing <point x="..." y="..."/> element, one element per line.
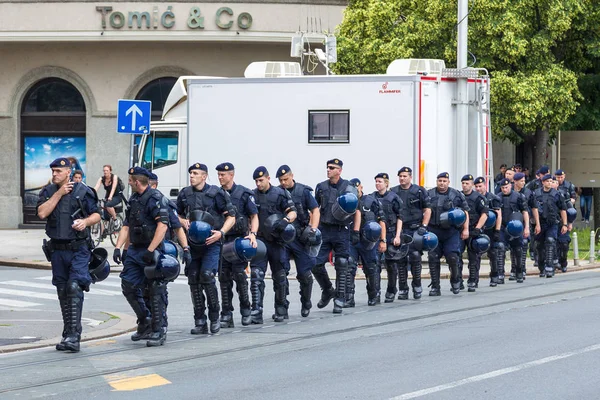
<point x="133" y="116"/>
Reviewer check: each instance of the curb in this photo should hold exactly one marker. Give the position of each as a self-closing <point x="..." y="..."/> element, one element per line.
<point x="126" y="324"/>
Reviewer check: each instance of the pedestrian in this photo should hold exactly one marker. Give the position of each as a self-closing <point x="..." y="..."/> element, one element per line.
<point x="366" y="249"/>
<point x="416" y="219"/>
<point x="276" y="213"/>
<point x="493" y="230"/>
<point x="533" y="185"/>
<point x="393" y="211"/>
<point x="450" y="226"/>
<point x="69" y="208"/>
<point x="113" y="187"/>
<point x="530" y="201"/>
<point x="304" y="248"/>
<point x="207" y="214"/>
<point x="585" y="203"/>
<point x="77" y="176"/>
<point x="551" y="218"/>
<point x="338" y="201"/>
<point x="508" y="174"/>
<point x="500" y="174"/>
<point x="478" y="214"/>
<point x="246" y="226"/>
<point x="144" y="228"/>
<point x="527" y="175"/>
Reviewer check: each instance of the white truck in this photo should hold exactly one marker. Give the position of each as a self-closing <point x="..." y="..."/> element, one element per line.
<point x="374" y="123"/>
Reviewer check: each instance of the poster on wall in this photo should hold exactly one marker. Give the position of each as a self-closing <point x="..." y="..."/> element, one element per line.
<point x="39" y="152"/>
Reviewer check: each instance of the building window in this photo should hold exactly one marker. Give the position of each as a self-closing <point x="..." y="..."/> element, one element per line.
<point x="329" y="126"/>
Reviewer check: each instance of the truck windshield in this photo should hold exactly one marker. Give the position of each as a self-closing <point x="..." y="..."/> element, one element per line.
<point x="160" y="149"/>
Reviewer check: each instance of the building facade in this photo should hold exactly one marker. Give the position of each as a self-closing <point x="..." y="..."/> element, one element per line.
<point x="65" y="64"/>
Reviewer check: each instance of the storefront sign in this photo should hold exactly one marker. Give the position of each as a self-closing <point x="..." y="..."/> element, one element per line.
<point x="224" y="18"/>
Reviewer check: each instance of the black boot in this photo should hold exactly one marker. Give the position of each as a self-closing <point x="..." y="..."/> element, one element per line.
<point x="226" y="299"/>
<point x="341" y="276"/>
<point x="518" y="254"/>
<point x="373" y="297"/>
<point x="322" y="277"/>
<point x="513" y="263"/>
<point x="452" y="261"/>
<point x="281" y="289"/>
<point x="257" y="290"/>
<point x="241" y="284"/>
<point x="392" y="276"/>
<point x="138" y="304"/>
<point x="198" y="301"/>
<point x="61" y="291"/>
<point x="524" y="261"/>
<point x="500" y="260"/>
<point x="550" y="250"/>
<point x="306" y="281"/>
<point x="474" y="260"/>
<point x="158" y="295"/>
<point x="460" y="272"/>
<point x="434" y="271"/>
<point x="415" y="271"/>
<point x="563" y="248"/>
<point x="350" y="290"/>
<point x="212" y="300"/>
<point x="403" y="279"/>
<point x="74" y="309"/>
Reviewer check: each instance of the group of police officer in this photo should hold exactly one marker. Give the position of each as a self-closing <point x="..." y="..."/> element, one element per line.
<point x="217" y="231"/>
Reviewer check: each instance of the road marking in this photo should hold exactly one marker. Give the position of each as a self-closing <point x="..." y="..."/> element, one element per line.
<point x="139" y="382"/>
<point x="493" y="374"/>
<point x="27" y="293"/>
<point x="17" y="303"/>
<point x="29" y="284"/>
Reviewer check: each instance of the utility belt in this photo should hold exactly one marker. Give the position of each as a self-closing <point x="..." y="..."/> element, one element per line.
<point x="548" y="222"/>
<point x="50" y="246"/>
<point x="413" y="226"/>
<point x="334" y="226"/>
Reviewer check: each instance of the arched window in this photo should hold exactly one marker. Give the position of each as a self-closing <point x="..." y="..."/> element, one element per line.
<point x="53" y="95"/>
<point x="157" y="92"/>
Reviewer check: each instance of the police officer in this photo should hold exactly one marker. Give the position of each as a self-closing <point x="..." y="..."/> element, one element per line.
<point x="509" y="174"/>
<point x="493" y="232"/>
<point x="308" y="216"/>
<point x="533" y="185"/>
<point x="550" y="212"/>
<point x="144" y="228"/>
<point x="211" y="205"/>
<point x="370" y="211"/>
<point x="246" y="226"/>
<point x="416" y="218"/>
<point x="335" y="234"/>
<point x="514" y="206"/>
<point x="69" y="208"/>
<point x="478" y="214"/>
<point x="443" y="200"/>
<point x="567" y="189"/>
<point x="274" y="204"/>
<point x="528" y="194"/>
<point x="393" y="213"/>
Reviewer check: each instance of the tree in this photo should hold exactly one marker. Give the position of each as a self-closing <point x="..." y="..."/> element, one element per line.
<point x="534" y="49"/>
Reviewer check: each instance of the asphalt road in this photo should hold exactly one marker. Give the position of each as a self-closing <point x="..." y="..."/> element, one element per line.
<point x="537" y="340"/>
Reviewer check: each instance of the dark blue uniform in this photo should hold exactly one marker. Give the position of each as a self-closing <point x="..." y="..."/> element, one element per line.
<point x="304" y="202"/>
<point x="494" y="203"/>
<point x="513" y="205"/>
<point x="211" y="204"/>
<point x="528" y="194"/>
<point x="242" y="200"/>
<point x="567" y="189"/>
<point x="370" y="210"/>
<point x="336" y="237"/>
<point x="448" y="238"/>
<point x="549" y="204"/>
<point x="274" y="201"/>
<point x="478" y="206"/>
<point x="70" y="254"/>
<point x="392" y="207"/>
<point x="416" y="200"/>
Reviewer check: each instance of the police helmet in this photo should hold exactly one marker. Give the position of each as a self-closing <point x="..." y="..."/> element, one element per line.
<point x="171" y="248"/>
<point x="201" y="215"/>
<point x="198" y="232"/>
<point x="344" y="207"/>
<point x="399" y="252"/>
<point x="516" y="216"/>
<point x="514" y="228"/>
<point x="453" y="217"/>
<point x="261" y="251"/>
<point x="288" y="234"/>
<point x="167" y="267"/>
<point x="480" y="244"/>
<point x="490" y="222"/>
<point x="370" y="234"/>
<point x="99" y="266"/>
<point x="238" y="251"/>
<point x="314" y="246"/>
<point x="571" y="215"/>
<point x="425" y="242"/>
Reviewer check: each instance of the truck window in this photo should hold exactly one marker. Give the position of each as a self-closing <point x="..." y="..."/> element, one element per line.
<point x="161" y="149"/>
<point x="329" y="126"/>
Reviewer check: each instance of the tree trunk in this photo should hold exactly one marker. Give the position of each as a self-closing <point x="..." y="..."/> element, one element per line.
<point x="540" y="148"/>
<point x="528" y="155"/>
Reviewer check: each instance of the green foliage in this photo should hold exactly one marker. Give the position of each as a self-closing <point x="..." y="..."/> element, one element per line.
<point x="535" y="51"/>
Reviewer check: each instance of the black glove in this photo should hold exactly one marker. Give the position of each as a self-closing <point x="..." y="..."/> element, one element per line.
<point x="124" y="255"/>
<point x="496" y="236"/>
<point x="476" y="232"/>
<point x="422" y="230"/>
<point x="312" y="237"/>
<point x="187" y="259"/>
<point x="148" y="256"/>
<point x="117" y="256"/>
<point x="355" y="237"/>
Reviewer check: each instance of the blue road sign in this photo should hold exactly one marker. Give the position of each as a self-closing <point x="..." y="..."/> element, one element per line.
<point x="133" y="116"/>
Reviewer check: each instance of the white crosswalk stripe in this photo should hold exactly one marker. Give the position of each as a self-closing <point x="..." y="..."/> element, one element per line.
<point x="17" y="303"/>
<point x="27" y="293"/>
<point x="47" y="286"/>
<point x="113" y="278"/>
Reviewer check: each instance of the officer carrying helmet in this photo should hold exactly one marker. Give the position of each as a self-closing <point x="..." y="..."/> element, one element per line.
<point x="69" y="208"/>
<point x="276" y="213"/>
<point x="492" y="226"/>
<point x="338" y="201"/>
<point x="144" y="228"/>
<point x="207" y="214"/>
<point x="520" y="186"/>
<point x="450" y="223"/>
<point x="305" y="246"/>
<point x="567" y="189"/>
<point x="416" y="218"/>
